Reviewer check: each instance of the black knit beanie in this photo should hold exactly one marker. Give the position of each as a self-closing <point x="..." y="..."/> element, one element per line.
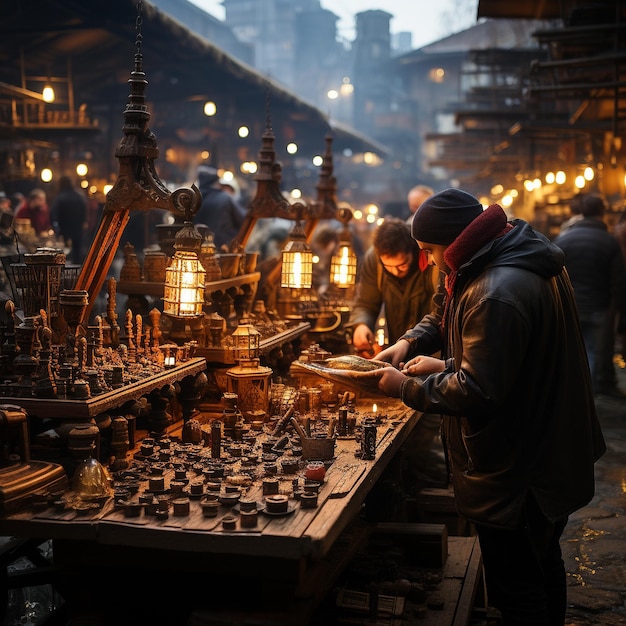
<point x="442" y="217"/>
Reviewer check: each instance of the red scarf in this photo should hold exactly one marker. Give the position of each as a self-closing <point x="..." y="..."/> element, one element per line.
<point x="489" y="225"/>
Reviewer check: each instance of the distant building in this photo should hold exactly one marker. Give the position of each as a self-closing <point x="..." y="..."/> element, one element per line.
<point x="207" y="26"/>
<point x="473" y="78"/>
<point x="401" y="42"/>
<point x="269" y="26"/>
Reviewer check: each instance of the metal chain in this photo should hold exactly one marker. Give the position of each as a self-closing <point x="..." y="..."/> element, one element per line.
<point x="138" y="25"/>
<point x="268" y="120"/>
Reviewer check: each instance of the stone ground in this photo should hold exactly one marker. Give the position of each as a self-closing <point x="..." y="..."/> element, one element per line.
<point x="594" y="541"/>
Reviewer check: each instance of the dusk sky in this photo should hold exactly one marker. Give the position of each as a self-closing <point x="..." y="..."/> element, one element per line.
<point x="427" y="21"/>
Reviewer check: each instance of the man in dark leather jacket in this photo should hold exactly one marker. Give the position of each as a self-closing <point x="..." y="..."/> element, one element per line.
<point x="514" y="389"/>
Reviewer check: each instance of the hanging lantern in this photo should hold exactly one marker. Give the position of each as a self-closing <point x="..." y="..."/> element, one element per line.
<point x="297" y="261"/>
<point x="185" y="276"/>
<point x="343" y="266"/>
<point x="343" y="263"/>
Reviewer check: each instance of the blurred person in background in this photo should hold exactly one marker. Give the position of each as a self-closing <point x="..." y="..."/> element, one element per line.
<point x="415" y="197"/>
<point x="69" y="218"/>
<point x="620" y="326"/>
<point x="218" y="209"/>
<point x="6" y="220"/>
<point x="5" y="202"/>
<point x="595" y="265"/>
<point x="35" y="208"/>
<point x="232" y="187"/>
<point x="16" y="200"/>
<point x="575" y="207"/>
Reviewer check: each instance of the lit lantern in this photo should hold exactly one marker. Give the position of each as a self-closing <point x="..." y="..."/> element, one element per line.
<point x="184" y="279"/>
<point x="344" y="262"/>
<point x="248" y="379"/>
<point x="297" y="261"/>
<point x="343" y="267"/>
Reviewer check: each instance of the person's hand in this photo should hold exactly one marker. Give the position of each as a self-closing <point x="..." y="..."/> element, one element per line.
<point x="422" y="366"/>
<point x="395" y="353"/>
<point x="363" y="340"/>
<point x="390" y="381"/>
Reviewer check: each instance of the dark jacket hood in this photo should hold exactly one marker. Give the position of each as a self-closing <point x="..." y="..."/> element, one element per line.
<point x="521" y="247"/>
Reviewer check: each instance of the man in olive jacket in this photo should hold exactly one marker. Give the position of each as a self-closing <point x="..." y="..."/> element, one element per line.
<point x="396" y="276"/>
<point x="514" y="389"/>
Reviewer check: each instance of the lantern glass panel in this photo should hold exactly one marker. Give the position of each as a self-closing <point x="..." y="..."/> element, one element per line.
<point x="343" y="267"/>
<point x="297" y="268"/>
<point x="184" y="286"/>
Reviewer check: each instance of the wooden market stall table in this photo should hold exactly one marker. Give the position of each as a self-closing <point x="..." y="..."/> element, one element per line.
<point x="283" y="557"/>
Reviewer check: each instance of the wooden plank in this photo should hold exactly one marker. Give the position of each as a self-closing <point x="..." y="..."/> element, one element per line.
<point x="471" y="585"/>
<point x="348" y="481"/>
<point x="459" y="553"/>
<point x="447" y="594"/>
<point x="101" y="254"/>
<point x="451" y="604"/>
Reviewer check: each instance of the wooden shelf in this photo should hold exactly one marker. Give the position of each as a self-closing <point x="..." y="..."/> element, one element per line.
<point x="219" y="355"/>
<point x="71" y="410"/>
<point x="225" y="356"/>
<point x="144" y="288"/>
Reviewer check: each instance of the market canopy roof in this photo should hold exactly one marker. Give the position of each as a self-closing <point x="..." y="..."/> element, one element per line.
<point x="94" y="44"/>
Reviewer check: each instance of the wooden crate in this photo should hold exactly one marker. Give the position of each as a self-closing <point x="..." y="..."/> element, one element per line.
<point x="437" y="506"/>
<point x="424" y="544"/>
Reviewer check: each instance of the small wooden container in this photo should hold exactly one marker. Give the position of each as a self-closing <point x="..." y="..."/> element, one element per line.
<point x="277" y="503"/>
<point x="209" y="507"/>
<point x="180" y="507"/>
<point x="248" y="519"/>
